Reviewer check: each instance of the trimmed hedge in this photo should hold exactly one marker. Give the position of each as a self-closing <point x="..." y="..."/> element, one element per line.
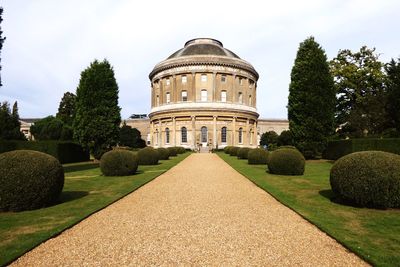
<point x="368" y="179"/>
<point x="173" y="152"/>
<point x="163" y="153"/>
<point x="286" y="161"/>
<point x="148" y="156"/>
<point x="65" y="152"/>
<point x="233" y="151"/>
<point x="119" y="162"/>
<point x="243" y="153"/>
<point x="227" y="148"/>
<point x="180" y="149"/>
<point x="29" y="180"/>
<point x="257" y="156"/>
<point x="339" y="148"/>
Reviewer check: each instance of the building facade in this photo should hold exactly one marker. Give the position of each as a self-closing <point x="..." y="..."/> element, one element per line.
<point x="203" y="95"/>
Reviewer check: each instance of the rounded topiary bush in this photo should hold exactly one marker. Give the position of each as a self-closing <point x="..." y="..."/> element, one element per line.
<point x="257" y="156"/>
<point x="233" y="151"/>
<point x="243" y="152"/>
<point x="119" y="162"/>
<point x="148" y="156"/>
<point x="173" y="152"/>
<point x="29" y="180"/>
<point x="286" y="161"/>
<point x="367" y="179"/>
<point x="163" y="153"/>
<point x="226" y="149"/>
<point x="180" y="149"/>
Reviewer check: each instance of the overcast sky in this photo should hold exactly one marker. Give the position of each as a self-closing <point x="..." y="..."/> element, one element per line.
<point x="50" y="42"/>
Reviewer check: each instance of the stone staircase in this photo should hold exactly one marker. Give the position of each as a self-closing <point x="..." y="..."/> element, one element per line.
<point x="204" y="149"/>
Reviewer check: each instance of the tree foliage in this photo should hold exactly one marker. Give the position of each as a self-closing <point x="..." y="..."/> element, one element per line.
<point x="268" y="138"/>
<point x="97" y="114"/>
<point x="1" y="38"/>
<point x="311" y="98"/>
<point x="285" y="138"/>
<point x="66" y="109"/>
<point x="131" y="137"/>
<point x="51" y="128"/>
<point x="359" y="82"/>
<point x="10" y="126"/>
<point x="393" y="93"/>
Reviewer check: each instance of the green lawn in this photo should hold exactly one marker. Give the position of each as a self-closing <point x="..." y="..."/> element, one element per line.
<point x="85" y="192"/>
<point x="372" y="234"/>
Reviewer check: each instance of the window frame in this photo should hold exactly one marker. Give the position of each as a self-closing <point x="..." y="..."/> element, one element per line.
<point x="183" y="135"/>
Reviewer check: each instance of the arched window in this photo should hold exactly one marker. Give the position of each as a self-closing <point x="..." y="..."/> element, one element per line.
<point x="183" y="135"/>
<point x="240" y="98"/>
<point x="223" y="96"/>
<point x="167" y="135"/>
<point x="204" y="134"/>
<point x="240" y="135"/>
<point x="223" y="135"/>
<point x="204" y="95"/>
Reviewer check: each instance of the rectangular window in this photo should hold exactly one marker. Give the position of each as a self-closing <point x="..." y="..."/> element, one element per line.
<point x="240" y="81"/>
<point x="204" y="77"/>
<point x="223" y="78"/>
<point x="240" y="98"/>
<point x="167" y="82"/>
<point x="184" y="96"/>
<point x="168" y="97"/>
<point x="158" y="100"/>
<point x="223" y="96"/>
<point x="184" y="79"/>
<point x="204" y="95"/>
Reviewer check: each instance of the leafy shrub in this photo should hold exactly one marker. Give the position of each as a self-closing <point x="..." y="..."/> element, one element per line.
<point x="257" y="156"/>
<point x="65" y="152"/>
<point x="233" y="151"/>
<point x="285" y="138"/>
<point x="368" y="179"/>
<point x="180" y="149"/>
<point x="286" y="161"/>
<point x="227" y="148"/>
<point x="243" y="152"/>
<point x="290" y="147"/>
<point x="148" y="156"/>
<point x="173" y="152"/>
<point x="163" y="153"/>
<point x="119" y="162"/>
<point x="29" y="180"/>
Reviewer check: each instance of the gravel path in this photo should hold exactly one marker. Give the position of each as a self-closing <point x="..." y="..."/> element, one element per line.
<point x="201" y="212"/>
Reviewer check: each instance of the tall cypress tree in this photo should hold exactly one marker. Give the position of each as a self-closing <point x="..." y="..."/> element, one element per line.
<point x="1" y="38"/>
<point x="312" y="99"/>
<point x="97" y="114"/>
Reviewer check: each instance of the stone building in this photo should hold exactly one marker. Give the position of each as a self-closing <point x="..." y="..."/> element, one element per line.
<point x="203" y="94"/>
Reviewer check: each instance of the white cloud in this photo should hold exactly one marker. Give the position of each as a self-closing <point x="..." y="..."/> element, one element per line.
<point x="49" y="42"/>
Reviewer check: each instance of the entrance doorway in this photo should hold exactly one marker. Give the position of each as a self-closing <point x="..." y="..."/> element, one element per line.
<point x="204" y="136"/>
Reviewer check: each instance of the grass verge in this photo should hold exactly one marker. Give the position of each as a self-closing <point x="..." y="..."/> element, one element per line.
<point x="85" y="192"/>
<point x="372" y="234"/>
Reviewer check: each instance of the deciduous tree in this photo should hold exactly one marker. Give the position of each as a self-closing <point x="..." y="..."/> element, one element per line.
<point x="393" y="93"/>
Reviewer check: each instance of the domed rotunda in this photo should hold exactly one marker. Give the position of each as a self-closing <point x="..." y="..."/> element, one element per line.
<point x="203" y="95"/>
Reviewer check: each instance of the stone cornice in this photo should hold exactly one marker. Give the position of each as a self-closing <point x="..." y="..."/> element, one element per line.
<point x="203" y="60"/>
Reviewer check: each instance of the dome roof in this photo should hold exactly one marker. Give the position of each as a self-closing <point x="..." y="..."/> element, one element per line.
<point x="203" y="51"/>
<point x="203" y="46"/>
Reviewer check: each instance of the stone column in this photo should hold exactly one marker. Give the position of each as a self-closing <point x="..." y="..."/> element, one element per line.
<point x="193" y="87"/>
<point x="194" y="132"/>
<point x="174" y="130"/>
<point x="160" y="142"/>
<point x="234" y="90"/>
<point x="214" y="96"/>
<point x="234" y="132"/>
<point x="247" y="134"/>
<point x="151" y="133"/>
<point x="215" y="132"/>
<point x="161" y="95"/>
<point x="173" y="89"/>
<point x="255" y="134"/>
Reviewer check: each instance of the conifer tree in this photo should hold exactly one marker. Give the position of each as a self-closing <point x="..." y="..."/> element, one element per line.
<point x="1" y="38"/>
<point x="393" y="93"/>
<point x="66" y="109"/>
<point x="97" y="114"/>
<point x="311" y="99"/>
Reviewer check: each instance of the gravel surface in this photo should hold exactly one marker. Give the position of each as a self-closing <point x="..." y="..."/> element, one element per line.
<point x="201" y="212"/>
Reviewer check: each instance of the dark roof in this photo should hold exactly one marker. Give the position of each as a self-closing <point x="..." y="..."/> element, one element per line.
<point x="203" y="46"/>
